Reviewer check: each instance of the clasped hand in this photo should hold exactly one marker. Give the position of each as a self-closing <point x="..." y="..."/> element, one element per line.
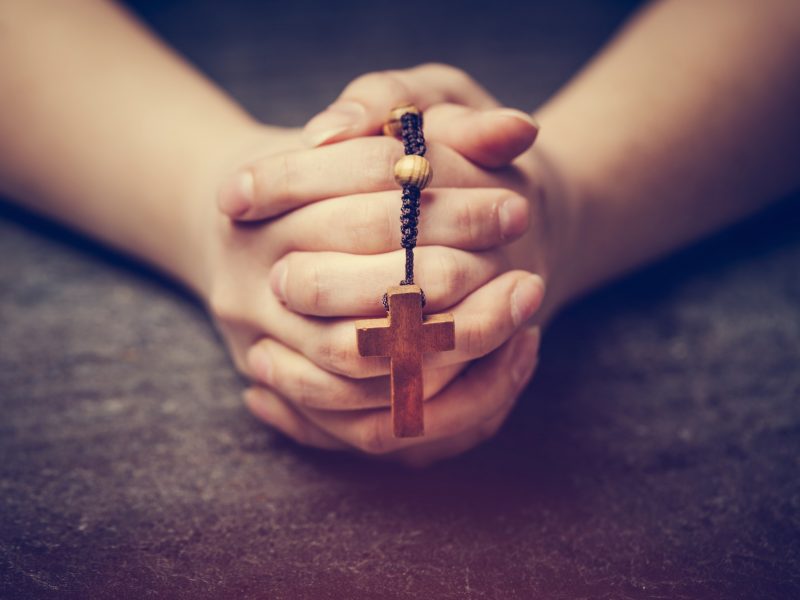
<point x="305" y="239"/>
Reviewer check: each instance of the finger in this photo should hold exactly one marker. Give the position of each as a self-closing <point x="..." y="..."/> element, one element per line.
<point x="365" y="103"/>
<point x="478" y="395"/>
<point x="267" y="407"/>
<point x="279" y="183"/>
<point x="337" y="284"/>
<point x="469" y="219"/>
<point x="483" y="321"/>
<point x="303" y="383"/>
<point x="491" y="138"/>
<point x="424" y="455"/>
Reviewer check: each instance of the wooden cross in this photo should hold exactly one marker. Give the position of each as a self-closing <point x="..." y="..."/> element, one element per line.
<point x="404" y="336"/>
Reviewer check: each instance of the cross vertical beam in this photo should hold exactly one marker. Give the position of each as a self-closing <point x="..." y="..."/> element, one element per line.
<point x="404" y="336"/>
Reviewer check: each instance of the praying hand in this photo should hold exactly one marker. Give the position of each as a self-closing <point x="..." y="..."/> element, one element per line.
<point x="290" y="235"/>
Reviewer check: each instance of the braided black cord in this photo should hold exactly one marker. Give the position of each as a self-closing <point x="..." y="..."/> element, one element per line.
<point x="413" y="143"/>
<point x="409" y="218"/>
<point x="413" y="140"/>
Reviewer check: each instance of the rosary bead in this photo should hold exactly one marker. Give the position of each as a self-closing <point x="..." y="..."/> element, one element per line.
<point x="414" y="170"/>
<point x="393" y="127"/>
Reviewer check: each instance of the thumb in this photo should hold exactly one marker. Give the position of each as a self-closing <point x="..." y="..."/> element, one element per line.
<point x="490" y="138"/>
<point x="363" y="106"/>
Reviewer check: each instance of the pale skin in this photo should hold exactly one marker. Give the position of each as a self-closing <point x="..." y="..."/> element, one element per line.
<point x="684" y="124"/>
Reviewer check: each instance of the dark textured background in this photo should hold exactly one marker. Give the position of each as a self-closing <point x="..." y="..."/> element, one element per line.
<point x="655" y="455"/>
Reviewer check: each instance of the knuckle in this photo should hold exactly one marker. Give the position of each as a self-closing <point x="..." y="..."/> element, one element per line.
<point x="466" y="220"/>
<point x="385" y="80"/>
<point x="286" y="174"/>
<point x="388" y="224"/>
<point x="317" y="295"/>
<point x="337" y="358"/>
<point x="306" y="391"/>
<point x="446" y="71"/>
<point x="359" y="228"/>
<point x="371" y="226"/>
<point x="362" y="80"/>
<point x="337" y="395"/>
<point x="452" y="276"/>
<point x="375" y="168"/>
<point x="394" y="84"/>
<point x="477" y="338"/>
<point x="273" y="181"/>
<point x="305" y="285"/>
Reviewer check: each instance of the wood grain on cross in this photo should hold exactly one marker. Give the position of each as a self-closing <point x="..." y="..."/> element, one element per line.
<point x="404" y="336"/>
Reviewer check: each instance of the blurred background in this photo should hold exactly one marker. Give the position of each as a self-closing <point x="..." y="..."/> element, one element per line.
<point x="654" y="456"/>
<point x="286" y="60"/>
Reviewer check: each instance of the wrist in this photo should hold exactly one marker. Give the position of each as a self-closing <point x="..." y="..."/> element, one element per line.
<point x="551" y="247"/>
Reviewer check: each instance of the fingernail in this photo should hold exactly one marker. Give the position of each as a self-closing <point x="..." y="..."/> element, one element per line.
<point x="525" y="355"/>
<point x="526" y="298"/>
<point x="512" y="216"/>
<point x="337" y="118"/>
<point x="277" y="279"/>
<point x="261" y="364"/>
<point x="236" y="195"/>
<point x="516" y="114"/>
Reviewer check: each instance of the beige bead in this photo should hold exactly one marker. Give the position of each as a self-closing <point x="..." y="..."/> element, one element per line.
<point x="393" y="127"/>
<point x="413" y="169"/>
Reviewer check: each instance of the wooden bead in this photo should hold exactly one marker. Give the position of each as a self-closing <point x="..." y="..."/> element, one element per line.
<point x="413" y="169"/>
<point x="393" y="127"/>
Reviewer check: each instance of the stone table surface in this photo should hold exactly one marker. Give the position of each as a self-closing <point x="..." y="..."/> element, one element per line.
<point x="656" y="454"/>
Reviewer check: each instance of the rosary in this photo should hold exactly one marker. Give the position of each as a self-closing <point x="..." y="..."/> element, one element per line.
<point x="405" y="334"/>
